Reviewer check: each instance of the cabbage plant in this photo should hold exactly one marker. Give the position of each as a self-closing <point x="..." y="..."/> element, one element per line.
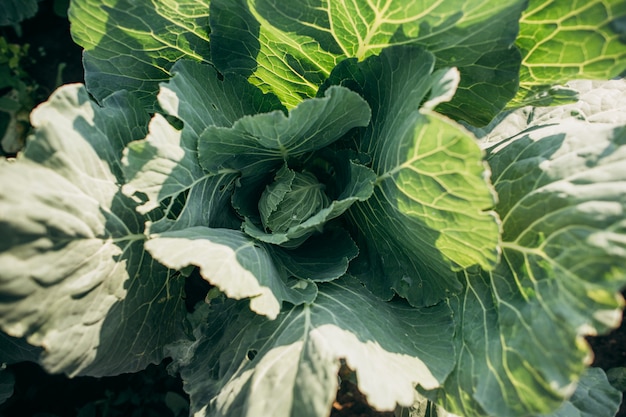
<point x="429" y="194"/>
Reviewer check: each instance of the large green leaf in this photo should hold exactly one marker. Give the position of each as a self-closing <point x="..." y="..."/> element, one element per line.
<point x="72" y="265"/>
<point x="244" y="365"/>
<point x="522" y="325"/>
<point x="233" y="262"/>
<point x="594" y="397"/>
<point x="132" y="45"/>
<point x="290" y="49"/>
<point x="598" y="102"/>
<point x="429" y="213"/>
<point x="563" y="40"/>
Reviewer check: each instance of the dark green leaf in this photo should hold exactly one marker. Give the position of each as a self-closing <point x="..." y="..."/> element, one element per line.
<point x="430" y="211"/>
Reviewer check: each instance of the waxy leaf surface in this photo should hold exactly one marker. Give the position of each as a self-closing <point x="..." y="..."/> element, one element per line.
<point x="565" y="40"/>
<point x="132" y="45"/>
<point x="241" y="364"/>
<point x="74" y="277"/>
<point x="430" y="211"/>
<point x="521" y="325"/>
<point x="290" y="49"/>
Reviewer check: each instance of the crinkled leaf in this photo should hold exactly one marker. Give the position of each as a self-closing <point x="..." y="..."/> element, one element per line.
<point x="565" y="40"/>
<point x="290" y="49"/>
<point x="244" y="365"/>
<point x="233" y="262"/>
<point x="291" y="199"/>
<point x="597" y="102"/>
<point x="356" y="184"/>
<point x="164" y="167"/>
<point x="132" y="45"/>
<point x="594" y="397"/>
<point x="72" y="265"/>
<point x="521" y="326"/>
<point x="266" y="140"/>
<point x="429" y="213"/>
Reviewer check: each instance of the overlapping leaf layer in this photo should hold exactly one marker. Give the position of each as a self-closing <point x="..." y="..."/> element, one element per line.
<point x="311" y="167"/>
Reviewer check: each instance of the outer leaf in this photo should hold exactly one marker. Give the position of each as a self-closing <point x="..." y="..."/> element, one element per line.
<point x="7" y="381"/>
<point x="14" y="11"/>
<point x="235" y="263"/>
<point x="17" y="350"/>
<point x="72" y="264"/>
<point x="564" y="262"/>
<point x="430" y="210"/>
<point x="132" y="45"/>
<point x="291" y="49"/>
<point x="594" y="397"/>
<point x="564" y="40"/>
<point x="244" y="365"/>
<point x="597" y="102"/>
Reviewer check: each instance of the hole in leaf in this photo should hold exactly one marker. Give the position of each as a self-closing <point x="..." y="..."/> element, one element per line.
<point x="251" y="354"/>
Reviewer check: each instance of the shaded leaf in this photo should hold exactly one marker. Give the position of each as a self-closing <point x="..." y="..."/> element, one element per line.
<point x="244" y="365"/>
<point x="594" y="397"/>
<point x="7" y="381"/>
<point x="14" y="11"/>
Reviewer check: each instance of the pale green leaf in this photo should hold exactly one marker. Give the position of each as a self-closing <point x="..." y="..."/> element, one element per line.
<point x="244" y="365"/>
<point x="233" y="262"/>
<point x="563" y="40"/>
<point x="132" y="45"/>
<point x="597" y="101"/>
<point x="72" y="263"/>
<point x="522" y="325"/>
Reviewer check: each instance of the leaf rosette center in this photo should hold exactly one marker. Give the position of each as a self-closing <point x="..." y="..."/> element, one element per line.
<point x="291" y="199"/>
